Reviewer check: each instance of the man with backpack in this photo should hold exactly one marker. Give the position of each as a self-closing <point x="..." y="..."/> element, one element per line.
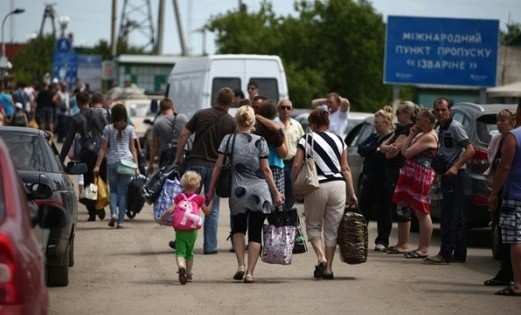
<point x="88" y="123"/>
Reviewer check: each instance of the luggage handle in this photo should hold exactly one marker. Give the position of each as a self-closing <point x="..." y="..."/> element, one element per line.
<point x="352" y="207"/>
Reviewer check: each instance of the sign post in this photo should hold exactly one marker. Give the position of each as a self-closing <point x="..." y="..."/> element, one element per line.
<point x="65" y="62"/>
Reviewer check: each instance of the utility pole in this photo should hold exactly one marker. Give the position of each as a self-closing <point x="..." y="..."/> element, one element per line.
<point x="113" y="20"/>
<point x="137" y="16"/>
<point x="160" y="27"/>
<point x="179" y="28"/>
<point x="48" y="13"/>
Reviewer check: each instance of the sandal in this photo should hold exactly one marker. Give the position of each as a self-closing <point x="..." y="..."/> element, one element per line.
<point x="182" y="276"/>
<point x="319" y="270"/>
<point x="508" y="291"/>
<point x="328" y="276"/>
<point x="495" y="282"/>
<point x="395" y="251"/>
<point x="248" y="279"/>
<point x="239" y="274"/>
<point x="415" y="255"/>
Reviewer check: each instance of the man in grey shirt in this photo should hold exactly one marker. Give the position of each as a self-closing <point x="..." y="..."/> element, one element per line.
<point x="165" y="133"/>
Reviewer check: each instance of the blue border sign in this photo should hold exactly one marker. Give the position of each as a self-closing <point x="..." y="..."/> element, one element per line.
<point x="441" y="51"/>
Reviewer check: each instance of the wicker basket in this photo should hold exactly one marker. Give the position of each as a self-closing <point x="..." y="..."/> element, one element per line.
<point x="353" y="238"/>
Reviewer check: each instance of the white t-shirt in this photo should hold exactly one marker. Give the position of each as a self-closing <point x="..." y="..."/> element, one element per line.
<point x="338" y="122"/>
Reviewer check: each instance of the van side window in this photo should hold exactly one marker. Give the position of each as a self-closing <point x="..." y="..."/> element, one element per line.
<point x="219" y="83"/>
<point x="267" y="87"/>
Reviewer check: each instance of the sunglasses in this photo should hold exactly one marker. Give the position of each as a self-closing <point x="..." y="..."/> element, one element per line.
<point x="400" y="112"/>
<point x="285" y="107"/>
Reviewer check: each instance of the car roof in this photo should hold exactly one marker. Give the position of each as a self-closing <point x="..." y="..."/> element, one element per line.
<point x="483" y="108"/>
<point x="26" y="130"/>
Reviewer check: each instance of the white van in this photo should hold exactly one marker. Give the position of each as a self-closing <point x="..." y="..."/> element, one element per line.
<point x="195" y="82"/>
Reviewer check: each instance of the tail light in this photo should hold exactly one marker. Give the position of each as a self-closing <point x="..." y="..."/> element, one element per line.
<point x="480" y="157"/>
<point x="478" y="201"/>
<point x="54" y="201"/>
<point x="8" y="290"/>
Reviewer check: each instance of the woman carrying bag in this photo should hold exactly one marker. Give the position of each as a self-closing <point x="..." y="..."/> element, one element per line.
<point x="119" y="146"/>
<point x="252" y="189"/>
<point x="324" y="207"/>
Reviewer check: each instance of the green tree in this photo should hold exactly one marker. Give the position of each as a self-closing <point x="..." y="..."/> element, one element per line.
<point x="512" y="32"/>
<point x="332" y="45"/>
<point x="34" y="60"/>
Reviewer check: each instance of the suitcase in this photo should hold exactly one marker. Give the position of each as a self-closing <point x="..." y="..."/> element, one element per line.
<point x="353" y="237"/>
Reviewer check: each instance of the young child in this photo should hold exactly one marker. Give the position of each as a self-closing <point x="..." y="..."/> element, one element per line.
<point x="20" y="117"/>
<point x="186" y="221"/>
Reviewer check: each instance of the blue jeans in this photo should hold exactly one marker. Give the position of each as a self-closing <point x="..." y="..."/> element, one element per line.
<point x="211" y="221"/>
<point x="288" y="185"/>
<point x="452" y="221"/>
<point x="118" y="186"/>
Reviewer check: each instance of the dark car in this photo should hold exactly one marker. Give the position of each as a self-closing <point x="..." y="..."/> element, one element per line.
<point x="479" y="122"/>
<point x="37" y="161"/>
<point x="22" y="266"/>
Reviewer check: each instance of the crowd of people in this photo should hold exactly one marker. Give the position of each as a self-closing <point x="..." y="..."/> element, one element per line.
<point x="401" y="162"/>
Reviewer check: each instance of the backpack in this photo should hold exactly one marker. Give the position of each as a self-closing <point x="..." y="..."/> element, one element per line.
<point x="186" y="214"/>
<point x="92" y="141"/>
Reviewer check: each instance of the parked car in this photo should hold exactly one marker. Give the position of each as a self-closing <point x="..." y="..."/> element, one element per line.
<point x="22" y="264"/>
<point x="36" y="159"/>
<point x="138" y="111"/>
<point x="480" y="123"/>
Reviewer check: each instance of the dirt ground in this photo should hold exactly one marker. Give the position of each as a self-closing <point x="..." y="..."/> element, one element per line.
<point x="133" y="271"/>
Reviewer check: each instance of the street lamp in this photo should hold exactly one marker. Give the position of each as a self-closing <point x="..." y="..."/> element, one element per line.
<point x="64" y="21"/>
<point x="3" y="58"/>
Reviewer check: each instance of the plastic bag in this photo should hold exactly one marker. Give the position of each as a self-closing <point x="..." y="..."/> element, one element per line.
<point x="103" y="194"/>
<point x="166" y="198"/>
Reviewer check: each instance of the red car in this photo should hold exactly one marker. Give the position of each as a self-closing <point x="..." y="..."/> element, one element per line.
<point x="23" y="288"/>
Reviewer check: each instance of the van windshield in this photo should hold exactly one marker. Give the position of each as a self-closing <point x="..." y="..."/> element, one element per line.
<point x="268" y="87"/>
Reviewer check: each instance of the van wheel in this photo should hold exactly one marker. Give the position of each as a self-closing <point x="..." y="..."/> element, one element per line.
<point x="495" y="237"/>
<point x="58" y="276"/>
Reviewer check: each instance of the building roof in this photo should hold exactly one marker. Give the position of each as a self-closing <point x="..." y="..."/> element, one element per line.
<point x="507" y="90"/>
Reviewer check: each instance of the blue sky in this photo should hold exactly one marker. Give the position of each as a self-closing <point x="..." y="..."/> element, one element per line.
<point x="90" y="20"/>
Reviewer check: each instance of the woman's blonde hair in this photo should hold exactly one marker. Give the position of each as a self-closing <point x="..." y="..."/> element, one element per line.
<point x="507" y="114"/>
<point x="245" y="116"/>
<point x="408" y="107"/>
<point x="387" y="114"/>
<point x="191" y="180"/>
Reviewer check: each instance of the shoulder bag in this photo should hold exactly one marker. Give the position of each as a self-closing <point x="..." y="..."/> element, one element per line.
<point x="223" y="187"/>
<point x="125" y="167"/>
<point x="92" y="141"/>
<point x="307" y="178"/>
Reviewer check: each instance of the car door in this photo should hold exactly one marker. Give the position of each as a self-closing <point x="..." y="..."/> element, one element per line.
<point x="357" y="135"/>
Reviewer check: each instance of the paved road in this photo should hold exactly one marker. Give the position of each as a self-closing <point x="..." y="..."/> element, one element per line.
<point x="132" y="271"/>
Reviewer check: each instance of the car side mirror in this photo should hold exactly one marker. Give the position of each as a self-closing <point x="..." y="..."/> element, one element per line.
<point x="40" y="191"/>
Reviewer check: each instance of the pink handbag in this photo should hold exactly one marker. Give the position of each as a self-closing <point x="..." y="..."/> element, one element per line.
<point x="278" y="244"/>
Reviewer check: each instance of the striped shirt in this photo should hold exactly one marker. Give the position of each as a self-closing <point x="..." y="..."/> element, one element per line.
<point x="327" y="152"/>
<point x="118" y="149"/>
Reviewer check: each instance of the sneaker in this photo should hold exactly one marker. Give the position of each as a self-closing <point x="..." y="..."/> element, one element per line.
<point x="380" y="248"/>
<point x="189" y="278"/>
<point x="119" y="226"/>
<point x="436" y="260"/>
<point x="182" y="275"/>
<point x="112" y="221"/>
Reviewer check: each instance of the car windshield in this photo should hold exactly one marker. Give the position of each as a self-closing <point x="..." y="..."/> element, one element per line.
<point x="139" y="109"/>
<point x="26" y="151"/>
<point x="486" y="127"/>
